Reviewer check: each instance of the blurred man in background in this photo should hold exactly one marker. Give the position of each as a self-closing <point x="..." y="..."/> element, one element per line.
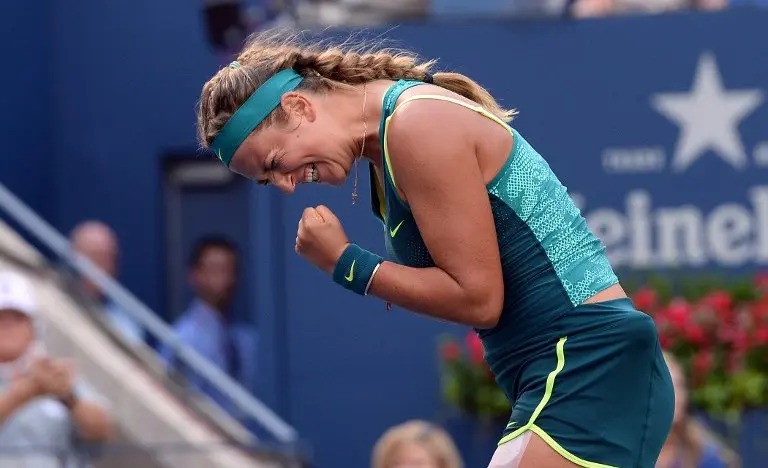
<point x="97" y="242"/>
<point x="207" y="325"/>
<point x="46" y="412"/>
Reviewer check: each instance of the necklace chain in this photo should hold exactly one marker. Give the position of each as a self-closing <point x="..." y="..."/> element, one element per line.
<point x="362" y="152"/>
<point x="362" y="146"/>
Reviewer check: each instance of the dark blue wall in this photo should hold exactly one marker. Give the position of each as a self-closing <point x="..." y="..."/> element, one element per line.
<point x="25" y="100"/>
<point x="127" y="78"/>
<point x="117" y="84"/>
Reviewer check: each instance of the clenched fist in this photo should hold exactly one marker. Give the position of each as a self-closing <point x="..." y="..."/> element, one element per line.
<point x="55" y="377"/>
<point x="320" y="238"/>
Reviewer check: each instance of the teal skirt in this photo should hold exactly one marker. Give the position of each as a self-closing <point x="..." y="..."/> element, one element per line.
<point x="595" y="387"/>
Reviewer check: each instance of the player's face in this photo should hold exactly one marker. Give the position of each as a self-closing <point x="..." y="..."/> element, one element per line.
<point x="412" y="456"/>
<point x="311" y="147"/>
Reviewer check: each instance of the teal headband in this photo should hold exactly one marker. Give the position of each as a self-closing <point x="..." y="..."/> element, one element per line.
<point x="258" y="106"/>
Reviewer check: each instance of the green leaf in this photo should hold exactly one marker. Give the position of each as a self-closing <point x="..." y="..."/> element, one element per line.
<point x="749" y="388"/>
<point x="662" y="285"/>
<point x="713" y="397"/>
<point x="744" y="291"/>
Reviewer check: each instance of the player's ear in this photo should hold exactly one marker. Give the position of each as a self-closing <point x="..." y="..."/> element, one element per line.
<point x="299" y="106"/>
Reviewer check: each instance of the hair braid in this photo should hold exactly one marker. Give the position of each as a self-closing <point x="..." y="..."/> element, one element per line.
<point x="351" y="67"/>
<point x="324" y="68"/>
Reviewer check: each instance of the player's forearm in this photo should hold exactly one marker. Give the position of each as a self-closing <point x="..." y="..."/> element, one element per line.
<point x="433" y="292"/>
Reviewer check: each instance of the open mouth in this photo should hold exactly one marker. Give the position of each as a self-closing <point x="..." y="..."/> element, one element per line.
<point x="311" y="174"/>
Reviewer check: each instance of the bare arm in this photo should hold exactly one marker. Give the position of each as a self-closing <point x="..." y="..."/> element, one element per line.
<point x="432" y="151"/>
<point x="18" y="394"/>
<point x="92" y="422"/>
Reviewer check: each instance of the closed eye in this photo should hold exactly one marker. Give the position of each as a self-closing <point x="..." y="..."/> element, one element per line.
<point x="274" y="164"/>
<point x="276" y="161"/>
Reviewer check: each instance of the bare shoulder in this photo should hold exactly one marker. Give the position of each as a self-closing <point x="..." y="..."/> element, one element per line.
<point x="423" y="127"/>
<point x="432" y="133"/>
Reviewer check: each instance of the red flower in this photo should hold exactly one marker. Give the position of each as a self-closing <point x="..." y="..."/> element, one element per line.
<point x="740" y="340"/>
<point x="695" y="333"/>
<point x="475" y="347"/>
<point x="678" y="312"/>
<point x="664" y="340"/>
<point x="718" y="300"/>
<point x="645" y="299"/>
<point x="760" y="311"/>
<point x="761" y="281"/>
<point x="735" y="361"/>
<point x="702" y="364"/>
<point x="721" y="303"/>
<point x="727" y="334"/>
<point x="702" y="361"/>
<point x="761" y="336"/>
<point x="450" y="351"/>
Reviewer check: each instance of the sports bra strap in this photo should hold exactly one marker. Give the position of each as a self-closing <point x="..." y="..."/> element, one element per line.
<point x="475" y="107"/>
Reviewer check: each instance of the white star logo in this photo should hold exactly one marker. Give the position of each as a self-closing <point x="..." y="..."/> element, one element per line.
<point x="708" y="116"/>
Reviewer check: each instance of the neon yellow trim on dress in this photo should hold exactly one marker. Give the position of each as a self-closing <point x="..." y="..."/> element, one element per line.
<point x="380" y="195"/>
<point x="544" y="400"/>
<point x="479" y="109"/>
<point x="565" y="453"/>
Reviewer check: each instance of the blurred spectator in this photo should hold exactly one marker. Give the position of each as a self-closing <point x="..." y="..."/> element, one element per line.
<point x="416" y="444"/>
<point x="348" y="13"/>
<point x="691" y="444"/>
<point x="512" y="8"/>
<point x="206" y="325"/>
<point x="45" y="411"/>
<point x="268" y="14"/>
<point x="592" y="8"/>
<point x="97" y="242"/>
<point x="534" y="8"/>
<point x="230" y="22"/>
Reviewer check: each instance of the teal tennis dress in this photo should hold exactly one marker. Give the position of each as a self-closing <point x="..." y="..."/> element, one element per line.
<point x="589" y="379"/>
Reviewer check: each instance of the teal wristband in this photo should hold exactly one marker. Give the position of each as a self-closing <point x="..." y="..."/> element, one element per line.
<point x="355" y="268"/>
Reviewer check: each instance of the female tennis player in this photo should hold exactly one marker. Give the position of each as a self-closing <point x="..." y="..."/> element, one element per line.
<point x="479" y="231"/>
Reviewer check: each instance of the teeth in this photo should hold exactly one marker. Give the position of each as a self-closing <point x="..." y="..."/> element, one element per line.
<point x="311" y="174"/>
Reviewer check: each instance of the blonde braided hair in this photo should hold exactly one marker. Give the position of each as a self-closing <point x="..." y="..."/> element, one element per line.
<point x="324" y="67"/>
